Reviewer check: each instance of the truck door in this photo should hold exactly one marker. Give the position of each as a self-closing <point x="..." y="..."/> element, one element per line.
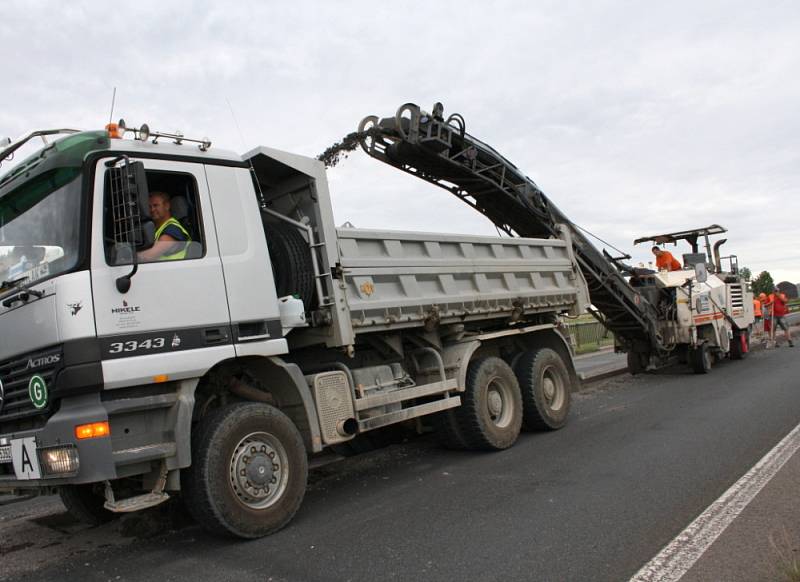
<point x="255" y="314"/>
<point x="174" y="320"/>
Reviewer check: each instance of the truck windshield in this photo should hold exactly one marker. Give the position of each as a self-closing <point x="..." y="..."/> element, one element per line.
<point x="40" y="227"/>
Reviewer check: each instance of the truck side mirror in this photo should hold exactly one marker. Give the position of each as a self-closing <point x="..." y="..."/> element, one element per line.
<point x="701" y="273"/>
<point x="129" y="195"/>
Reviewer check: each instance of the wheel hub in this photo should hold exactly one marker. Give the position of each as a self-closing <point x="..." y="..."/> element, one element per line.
<point x="495" y="403"/>
<point x="499" y="402"/>
<point x="258" y="470"/>
<point x="553" y="388"/>
<point x="549" y="389"/>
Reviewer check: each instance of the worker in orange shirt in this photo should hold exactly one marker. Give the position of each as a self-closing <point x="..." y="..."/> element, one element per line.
<point x="777" y="305"/>
<point x="665" y="261"/>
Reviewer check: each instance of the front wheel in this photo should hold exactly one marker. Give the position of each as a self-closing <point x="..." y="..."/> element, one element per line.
<point x="700" y="359"/>
<point x="248" y="473"/>
<point x="86" y="503"/>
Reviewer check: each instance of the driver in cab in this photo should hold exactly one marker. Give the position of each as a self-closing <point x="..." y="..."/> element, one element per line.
<point x="171" y="239"/>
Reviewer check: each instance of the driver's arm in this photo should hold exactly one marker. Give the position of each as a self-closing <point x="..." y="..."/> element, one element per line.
<point x="163" y="246"/>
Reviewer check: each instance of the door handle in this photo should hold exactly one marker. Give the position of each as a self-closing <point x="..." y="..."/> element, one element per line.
<point x="216" y="336"/>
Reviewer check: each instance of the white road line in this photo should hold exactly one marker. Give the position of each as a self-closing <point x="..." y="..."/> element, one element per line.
<point x="681" y="553"/>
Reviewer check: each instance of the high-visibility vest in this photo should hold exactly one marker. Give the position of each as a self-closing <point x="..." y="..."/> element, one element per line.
<point x="757" y="307"/>
<point x="181" y="254"/>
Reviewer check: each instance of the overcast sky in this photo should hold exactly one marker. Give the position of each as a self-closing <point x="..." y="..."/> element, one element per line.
<point x="636" y="118"/>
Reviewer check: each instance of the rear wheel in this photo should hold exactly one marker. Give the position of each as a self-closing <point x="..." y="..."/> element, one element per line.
<point x="700" y="359"/>
<point x="86" y="503"/>
<point x="490" y="415"/>
<point x="545" y="386"/>
<point x="248" y="472"/>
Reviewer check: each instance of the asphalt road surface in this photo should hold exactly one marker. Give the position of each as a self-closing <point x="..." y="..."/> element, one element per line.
<point x="639" y="460"/>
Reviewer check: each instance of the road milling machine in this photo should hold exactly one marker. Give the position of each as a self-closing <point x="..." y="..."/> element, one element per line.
<point x="695" y="315"/>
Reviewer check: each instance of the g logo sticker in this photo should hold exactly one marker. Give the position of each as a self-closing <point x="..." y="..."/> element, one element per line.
<point x="37" y="391"/>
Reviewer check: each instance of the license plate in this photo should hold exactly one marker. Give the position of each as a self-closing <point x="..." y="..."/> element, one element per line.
<point x="25" y="459"/>
<point x="5" y="454"/>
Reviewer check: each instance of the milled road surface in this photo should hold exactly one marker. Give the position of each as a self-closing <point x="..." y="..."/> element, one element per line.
<point x="640" y="459"/>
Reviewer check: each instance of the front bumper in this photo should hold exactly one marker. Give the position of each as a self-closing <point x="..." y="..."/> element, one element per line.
<point x="143" y="421"/>
<point x="94" y="456"/>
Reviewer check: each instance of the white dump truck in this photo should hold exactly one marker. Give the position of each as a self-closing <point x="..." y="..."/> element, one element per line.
<point x="263" y="334"/>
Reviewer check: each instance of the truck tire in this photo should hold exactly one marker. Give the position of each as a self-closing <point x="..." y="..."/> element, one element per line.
<point x="86" y="503"/>
<point x="700" y="359"/>
<point x="248" y="473"/>
<point x="544" y="382"/>
<point x="740" y="344"/>
<point x="490" y="415"/>
<point x="291" y="262"/>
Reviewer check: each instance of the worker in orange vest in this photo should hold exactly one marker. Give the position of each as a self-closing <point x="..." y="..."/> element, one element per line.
<point x="665" y="261"/>
<point x="759" y="317"/>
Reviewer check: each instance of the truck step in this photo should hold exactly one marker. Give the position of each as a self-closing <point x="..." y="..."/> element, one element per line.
<point x="406" y="413"/>
<point x="136" y="503"/>
<point x="406" y="394"/>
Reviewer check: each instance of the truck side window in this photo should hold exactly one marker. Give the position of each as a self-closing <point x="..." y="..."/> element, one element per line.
<point x="172" y="216"/>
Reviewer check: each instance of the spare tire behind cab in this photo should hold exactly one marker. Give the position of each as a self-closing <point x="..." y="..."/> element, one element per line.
<point x="291" y="261"/>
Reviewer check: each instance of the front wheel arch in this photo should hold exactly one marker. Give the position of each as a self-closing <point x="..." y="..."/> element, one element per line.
<point x="283" y="382"/>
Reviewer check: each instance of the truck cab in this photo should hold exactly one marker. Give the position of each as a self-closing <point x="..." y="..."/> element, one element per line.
<point x="91" y="335"/>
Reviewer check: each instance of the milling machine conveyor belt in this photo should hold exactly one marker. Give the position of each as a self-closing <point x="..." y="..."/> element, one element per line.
<point x="440" y="151"/>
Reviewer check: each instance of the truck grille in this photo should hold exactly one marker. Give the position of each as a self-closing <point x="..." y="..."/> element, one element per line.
<point x="15" y="375"/>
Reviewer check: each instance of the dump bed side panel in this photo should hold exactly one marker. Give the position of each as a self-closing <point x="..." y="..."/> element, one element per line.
<point x="405" y="279"/>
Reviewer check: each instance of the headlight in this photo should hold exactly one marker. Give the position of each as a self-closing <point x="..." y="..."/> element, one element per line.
<point x="59" y="461"/>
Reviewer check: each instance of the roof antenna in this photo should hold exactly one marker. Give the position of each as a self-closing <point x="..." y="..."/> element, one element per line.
<point x="262" y="201"/>
<point x="113" y="100"/>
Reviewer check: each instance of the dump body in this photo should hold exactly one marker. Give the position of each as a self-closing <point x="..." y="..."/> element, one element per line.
<point x="405" y="279"/>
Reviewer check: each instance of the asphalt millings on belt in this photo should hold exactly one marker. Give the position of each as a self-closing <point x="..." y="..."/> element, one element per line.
<point x="341" y="149"/>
